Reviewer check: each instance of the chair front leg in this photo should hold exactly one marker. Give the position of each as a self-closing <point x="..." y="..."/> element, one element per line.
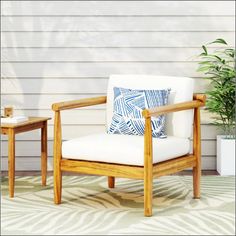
<point x="197" y="154"/>
<point x="57" y="159"/>
<point x="148" y="165"/>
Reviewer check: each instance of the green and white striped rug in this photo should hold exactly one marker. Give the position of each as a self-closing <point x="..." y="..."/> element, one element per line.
<point x="89" y="207"/>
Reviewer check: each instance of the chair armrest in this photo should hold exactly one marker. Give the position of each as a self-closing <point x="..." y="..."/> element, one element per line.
<point x="79" y="103"/>
<point x="198" y="101"/>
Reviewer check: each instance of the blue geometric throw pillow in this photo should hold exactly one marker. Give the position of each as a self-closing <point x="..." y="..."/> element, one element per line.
<point x="128" y="106"/>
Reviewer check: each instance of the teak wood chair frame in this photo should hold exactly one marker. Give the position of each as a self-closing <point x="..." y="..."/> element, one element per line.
<point x="146" y="172"/>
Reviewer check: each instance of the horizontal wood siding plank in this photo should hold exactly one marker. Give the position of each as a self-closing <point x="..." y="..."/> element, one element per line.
<point x="102" y="69"/>
<point x="170" y="8"/>
<point x="50" y="23"/>
<point x="42" y="101"/>
<point x="69" y="131"/>
<point x="69" y="117"/>
<point x="67" y="86"/>
<point x="112" y="39"/>
<point x="100" y="54"/>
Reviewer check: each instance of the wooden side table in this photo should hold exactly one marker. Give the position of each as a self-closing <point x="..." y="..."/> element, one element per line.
<point x="12" y="129"/>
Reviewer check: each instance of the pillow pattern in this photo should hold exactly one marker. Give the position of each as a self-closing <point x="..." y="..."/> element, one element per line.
<point x="128" y="106"/>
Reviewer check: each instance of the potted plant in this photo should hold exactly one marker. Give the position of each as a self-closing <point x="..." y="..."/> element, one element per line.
<point x="219" y="68"/>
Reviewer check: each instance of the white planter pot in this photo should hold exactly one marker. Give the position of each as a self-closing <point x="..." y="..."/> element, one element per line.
<point x="225" y="155"/>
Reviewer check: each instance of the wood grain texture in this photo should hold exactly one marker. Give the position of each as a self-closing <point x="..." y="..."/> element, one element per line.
<point x="197" y="154"/>
<point x="29" y="127"/>
<point x="100" y="168"/>
<point x="172" y="108"/>
<point x="174" y="165"/>
<point x="44" y="153"/>
<point x="31" y="121"/>
<point x="148" y="168"/>
<point x="11" y="161"/>
<point x="57" y="158"/>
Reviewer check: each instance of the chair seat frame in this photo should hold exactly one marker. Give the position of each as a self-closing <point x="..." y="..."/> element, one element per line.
<point x="146" y="172"/>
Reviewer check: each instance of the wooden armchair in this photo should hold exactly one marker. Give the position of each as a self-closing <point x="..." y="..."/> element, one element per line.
<point x="148" y="168"/>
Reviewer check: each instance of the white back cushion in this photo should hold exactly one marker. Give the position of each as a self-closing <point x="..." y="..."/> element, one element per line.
<point x="178" y="124"/>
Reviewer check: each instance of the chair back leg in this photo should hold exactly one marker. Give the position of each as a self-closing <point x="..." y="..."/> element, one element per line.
<point x="111" y="182"/>
<point x="197" y="154"/>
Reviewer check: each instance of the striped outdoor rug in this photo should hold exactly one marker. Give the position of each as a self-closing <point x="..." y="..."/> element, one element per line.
<point x="89" y="207"/>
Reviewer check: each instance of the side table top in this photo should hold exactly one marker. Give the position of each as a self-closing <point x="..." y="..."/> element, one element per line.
<point x="32" y="120"/>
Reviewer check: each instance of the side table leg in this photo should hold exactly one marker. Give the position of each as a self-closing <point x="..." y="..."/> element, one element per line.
<point x="11" y="161"/>
<point x="44" y="153"/>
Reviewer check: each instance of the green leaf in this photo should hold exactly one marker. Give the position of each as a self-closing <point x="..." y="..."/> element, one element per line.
<point x="221" y="41"/>
<point x="202" y="54"/>
<point x="204" y="48"/>
<point x="217" y="57"/>
<point x="230" y="52"/>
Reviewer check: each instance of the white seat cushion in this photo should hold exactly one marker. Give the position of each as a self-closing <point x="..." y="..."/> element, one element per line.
<point x="123" y="149"/>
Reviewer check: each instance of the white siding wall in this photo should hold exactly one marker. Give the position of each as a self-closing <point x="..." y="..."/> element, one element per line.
<point x="55" y="51"/>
